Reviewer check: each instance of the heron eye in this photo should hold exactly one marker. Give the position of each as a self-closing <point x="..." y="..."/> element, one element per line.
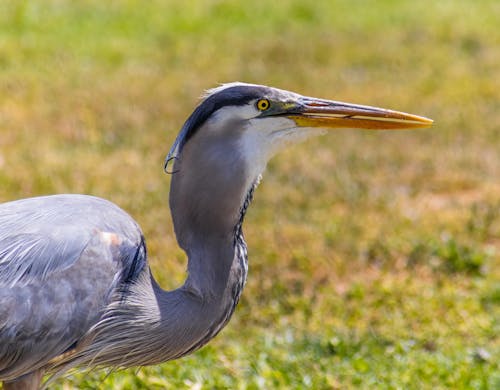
<point x="263" y="104"/>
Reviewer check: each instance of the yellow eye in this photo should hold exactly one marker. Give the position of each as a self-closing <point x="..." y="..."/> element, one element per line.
<point x="263" y="104"/>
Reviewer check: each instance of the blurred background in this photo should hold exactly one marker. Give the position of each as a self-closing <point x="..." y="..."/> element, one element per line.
<point x="374" y="256"/>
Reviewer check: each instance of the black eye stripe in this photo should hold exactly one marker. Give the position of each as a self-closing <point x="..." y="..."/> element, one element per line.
<point x="237" y="95"/>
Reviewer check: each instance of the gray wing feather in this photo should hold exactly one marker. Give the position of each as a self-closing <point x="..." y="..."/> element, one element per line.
<point x="27" y="256"/>
<point x="61" y="260"/>
<point x="41" y="235"/>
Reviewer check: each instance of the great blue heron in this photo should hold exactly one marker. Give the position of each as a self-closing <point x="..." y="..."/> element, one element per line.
<point x="75" y="285"/>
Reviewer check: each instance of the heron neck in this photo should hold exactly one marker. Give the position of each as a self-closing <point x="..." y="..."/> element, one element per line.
<point x="209" y="197"/>
<point x="203" y="306"/>
<point x="217" y="268"/>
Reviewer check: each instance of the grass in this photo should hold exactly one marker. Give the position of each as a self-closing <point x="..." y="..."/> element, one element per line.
<point x="374" y="257"/>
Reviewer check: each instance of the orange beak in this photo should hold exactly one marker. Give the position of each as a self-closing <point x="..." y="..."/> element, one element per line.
<point x="312" y="112"/>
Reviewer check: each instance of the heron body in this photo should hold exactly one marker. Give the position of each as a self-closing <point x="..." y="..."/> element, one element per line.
<point x="75" y="285"/>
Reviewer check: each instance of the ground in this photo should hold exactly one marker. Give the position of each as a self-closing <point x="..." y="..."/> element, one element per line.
<point x="374" y="256"/>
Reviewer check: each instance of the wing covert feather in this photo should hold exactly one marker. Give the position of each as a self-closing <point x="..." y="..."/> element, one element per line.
<point x="61" y="260"/>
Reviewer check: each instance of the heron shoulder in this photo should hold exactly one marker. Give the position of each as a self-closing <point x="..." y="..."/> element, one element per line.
<point x="43" y="235"/>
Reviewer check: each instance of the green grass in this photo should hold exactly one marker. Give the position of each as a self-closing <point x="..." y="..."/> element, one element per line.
<point x="374" y="257"/>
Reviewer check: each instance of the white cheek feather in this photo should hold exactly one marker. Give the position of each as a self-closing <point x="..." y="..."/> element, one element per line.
<point x="228" y="113"/>
<point x="264" y="137"/>
<point x="254" y="145"/>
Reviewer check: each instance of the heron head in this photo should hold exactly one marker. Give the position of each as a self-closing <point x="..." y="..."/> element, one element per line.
<point x="261" y="120"/>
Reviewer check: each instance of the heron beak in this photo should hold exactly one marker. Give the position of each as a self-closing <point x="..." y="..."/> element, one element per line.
<point x="331" y="114"/>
